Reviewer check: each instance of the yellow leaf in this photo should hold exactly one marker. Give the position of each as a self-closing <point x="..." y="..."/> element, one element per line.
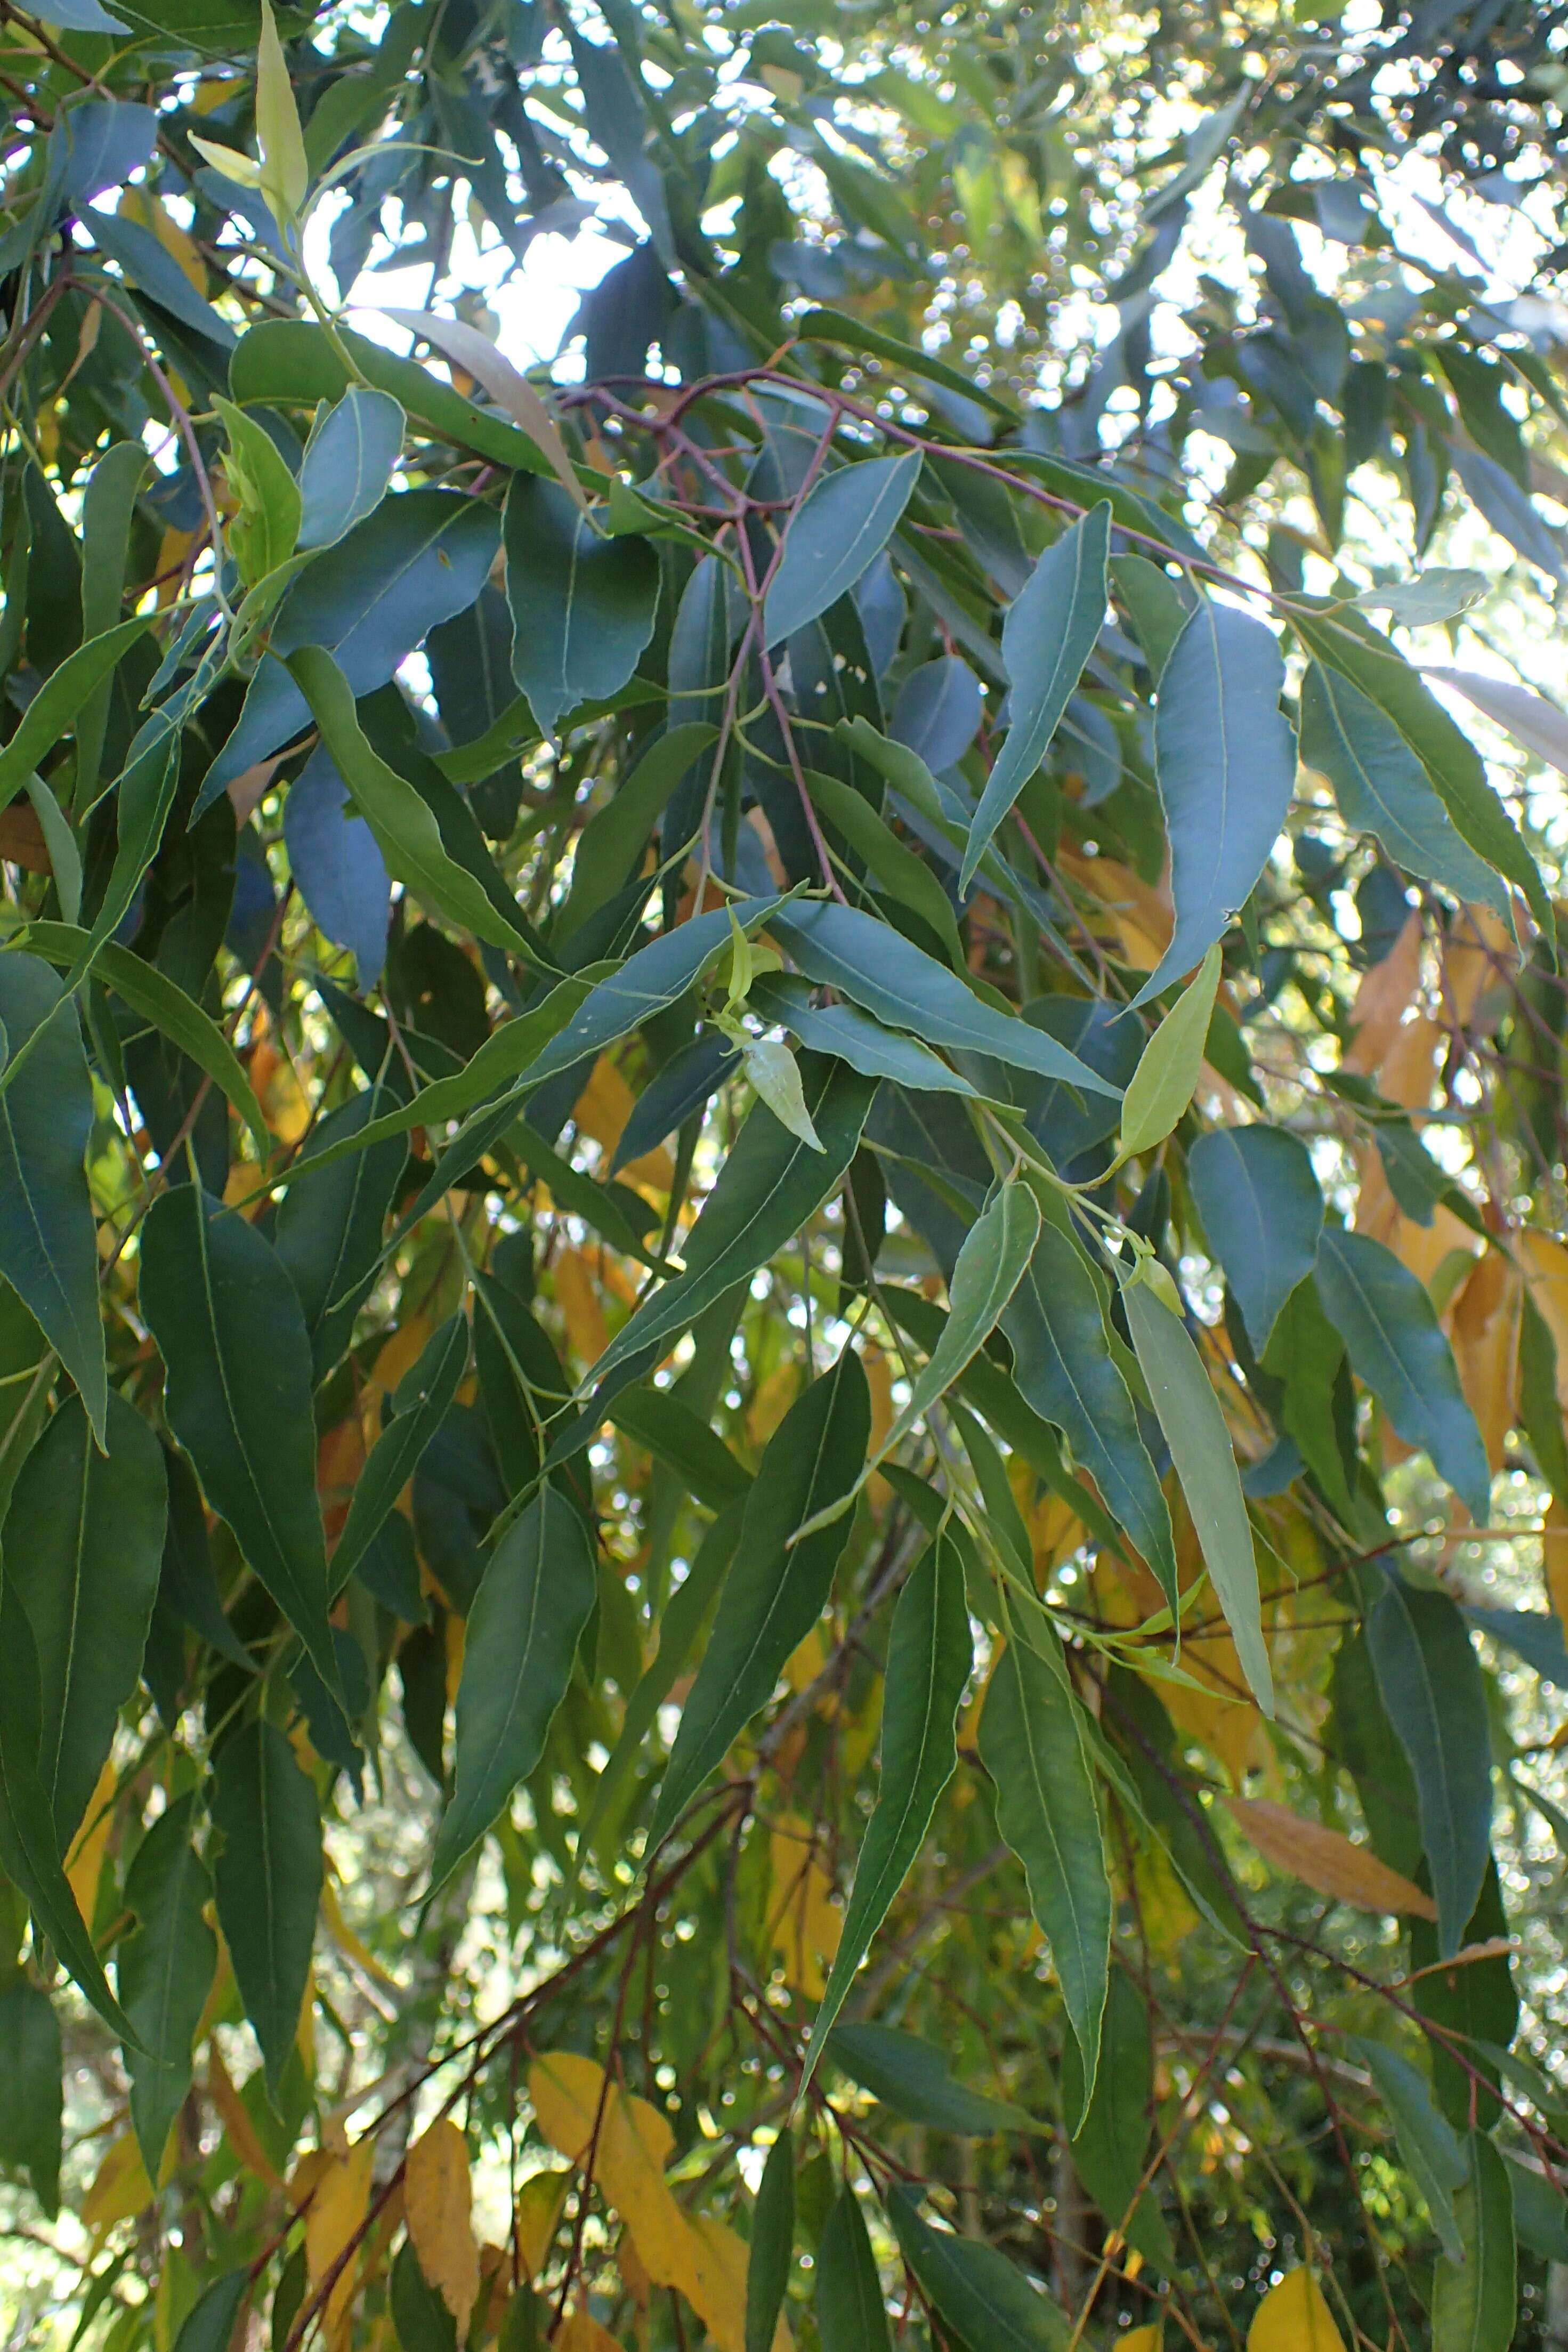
<point x="633" y="2148"/>
<point x="539" y="2203"/>
<point x="579" y="1310"/>
<point x="334" y="2220"/>
<point x="235" y="2119"/>
<point x="120" y="2188"/>
<point x="1322" y="1858"/>
<point x="725" y="2266"/>
<point x="84" y="1865"/>
<point x="806" y="1925"/>
<point x="1294" y="2317"/>
<point x="581" y="2332"/>
<point x="1139" y="2339"/>
<point x="438" y="2203"/>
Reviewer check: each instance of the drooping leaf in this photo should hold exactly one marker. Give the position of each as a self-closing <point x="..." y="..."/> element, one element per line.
<point x="1033" y="1744"/>
<point x="853" y="1036"/>
<point x="237" y="1357"/>
<point x="337" y="865"/>
<point x="1387" y="1319"/>
<point x="1322" y="1858"/>
<point x="1475" y="2299"/>
<point x="46" y="1246"/>
<point x="1190" y="1415"/>
<point x="31" y="2109"/>
<point x="775" y="1593"/>
<point x="1110" y="2145"/>
<point x="1263" y="1213"/>
<point x="1063" y="1365"/>
<point x="772" y="2247"/>
<point x="1294" y="2316"/>
<point x="74" y="686"/>
<point x="976" y="2290"/>
<point x="330" y="1223"/>
<point x="267" y="1880"/>
<point x="423" y="1401"/>
<point x="438" y="2202"/>
<point x="1430" y="1683"/>
<point x="165" y="1972"/>
<point x="84" y="1539"/>
<point x="929" y="1659"/>
<point x="523" y="1636"/>
<point x="582" y="608"/>
<point x="838" y="530"/>
<point x="851" y="2316"/>
<point x="911" y="2076"/>
<point x="1226" y="763"/>
<point x="210" y="2323"/>
<point x="1428" y="2145"/>
<point x="1047" y="638"/>
<point x="348" y="463"/>
<point x="1166" y="1078"/>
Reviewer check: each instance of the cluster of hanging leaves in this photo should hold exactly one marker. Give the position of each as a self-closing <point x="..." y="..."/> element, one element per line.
<point x="785" y="1505"/>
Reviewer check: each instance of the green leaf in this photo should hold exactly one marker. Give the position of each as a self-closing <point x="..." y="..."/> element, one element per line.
<point x="1428" y="2145"/>
<point x="1262" y="1212"/>
<point x="1431" y="1687"/>
<point x="772" y="2246"/>
<point x="419" y="2314"/>
<point x="1436" y="594"/>
<point x="612" y="841"/>
<point x="264" y="533"/>
<point x="165" y="1971"/>
<point x="1033" y="1745"/>
<point x="229" y="1328"/>
<point x="851" y="2316"/>
<point x="30" y="2065"/>
<point x="59" y="701"/>
<point x="851" y="1034"/>
<point x="285" y="173"/>
<point x="109" y="503"/>
<point x="1225" y="759"/>
<point x="1306" y="1353"/>
<point x="835" y="533"/>
<point x="329" y="1225"/>
<point x="888" y="976"/>
<point x="522" y="1634"/>
<point x="929" y="1659"/>
<point x="1169" y="1067"/>
<point x="904" y="876"/>
<point x="83" y="1546"/>
<point x="768" y="1188"/>
<point x="996" y="1250"/>
<point x="683" y="1442"/>
<point x="1111" y="2145"/>
<point x="976" y="2290"/>
<point x="911" y="2077"/>
<point x="1048" y="635"/>
<point x="1343" y="642"/>
<point x="773" y="1075"/>
<point x="1539" y="2216"/>
<point x="582" y="608"/>
<point x="29" y="1851"/>
<point x="1188" y="1411"/>
<point x="1474" y="2301"/>
<point x="349" y="460"/>
<point x="1064" y="1370"/>
<point x="1387" y="1319"/>
<point x="1381" y="788"/>
<point x="405" y="831"/>
<point x="424" y="1399"/>
<point x="1157" y="606"/>
<point x="1542" y="1414"/>
<point x="48" y="1250"/>
<point x="827" y="326"/>
<point x="209" y="2325"/>
<point x="267" y="1880"/>
<point x="774" y="1593"/>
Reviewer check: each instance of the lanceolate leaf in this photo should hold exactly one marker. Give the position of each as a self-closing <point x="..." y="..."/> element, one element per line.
<point x="1167" y="1074"/>
<point x="58" y="702"/>
<point x="30" y="2112"/>
<point x="999" y="1247"/>
<point x="1397" y="1347"/>
<point x="83" y="1542"/>
<point x="1033" y="1745"/>
<point x="47" y="1250"/>
<point x="165" y="1971"/>
<point x="878" y="969"/>
<point x="911" y="2076"/>
<point x="330" y="1226"/>
<point x="853" y="1036"/>
<point x="929" y="1658"/>
<point x="776" y="1592"/>
<point x="772" y="2247"/>
<point x="1190" y="1415"/>
<point x="1048" y="635"/>
<point x="422" y="1403"/>
<point x="974" y="2288"/>
<point x="1427" y="2142"/>
<point x="1227" y="762"/>
<point x="1383" y="788"/>
<point x="843" y="525"/>
<point x="1474" y="2299"/>
<point x="1430" y="1685"/>
<point x="348" y="464"/>
<point x="770" y="1184"/>
<point x="1110" y="2145"/>
<point x="851" y="2316"/>
<point x="267" y="1879"/>
<point x="582" y="606"/>
<point x="523" y="1636"/>
<point x="1262" y="1212"/>
<point x="231" y="1332"/>
<point x="1063" y="1365"/>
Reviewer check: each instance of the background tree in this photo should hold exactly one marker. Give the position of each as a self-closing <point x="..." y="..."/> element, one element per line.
<point x="782" y="1156"/>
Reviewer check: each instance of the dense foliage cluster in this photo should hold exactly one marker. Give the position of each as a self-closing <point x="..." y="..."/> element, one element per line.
<point x="782" y="1173"/>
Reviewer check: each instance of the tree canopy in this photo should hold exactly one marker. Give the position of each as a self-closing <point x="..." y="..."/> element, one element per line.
<point x="783" y="1289"/>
